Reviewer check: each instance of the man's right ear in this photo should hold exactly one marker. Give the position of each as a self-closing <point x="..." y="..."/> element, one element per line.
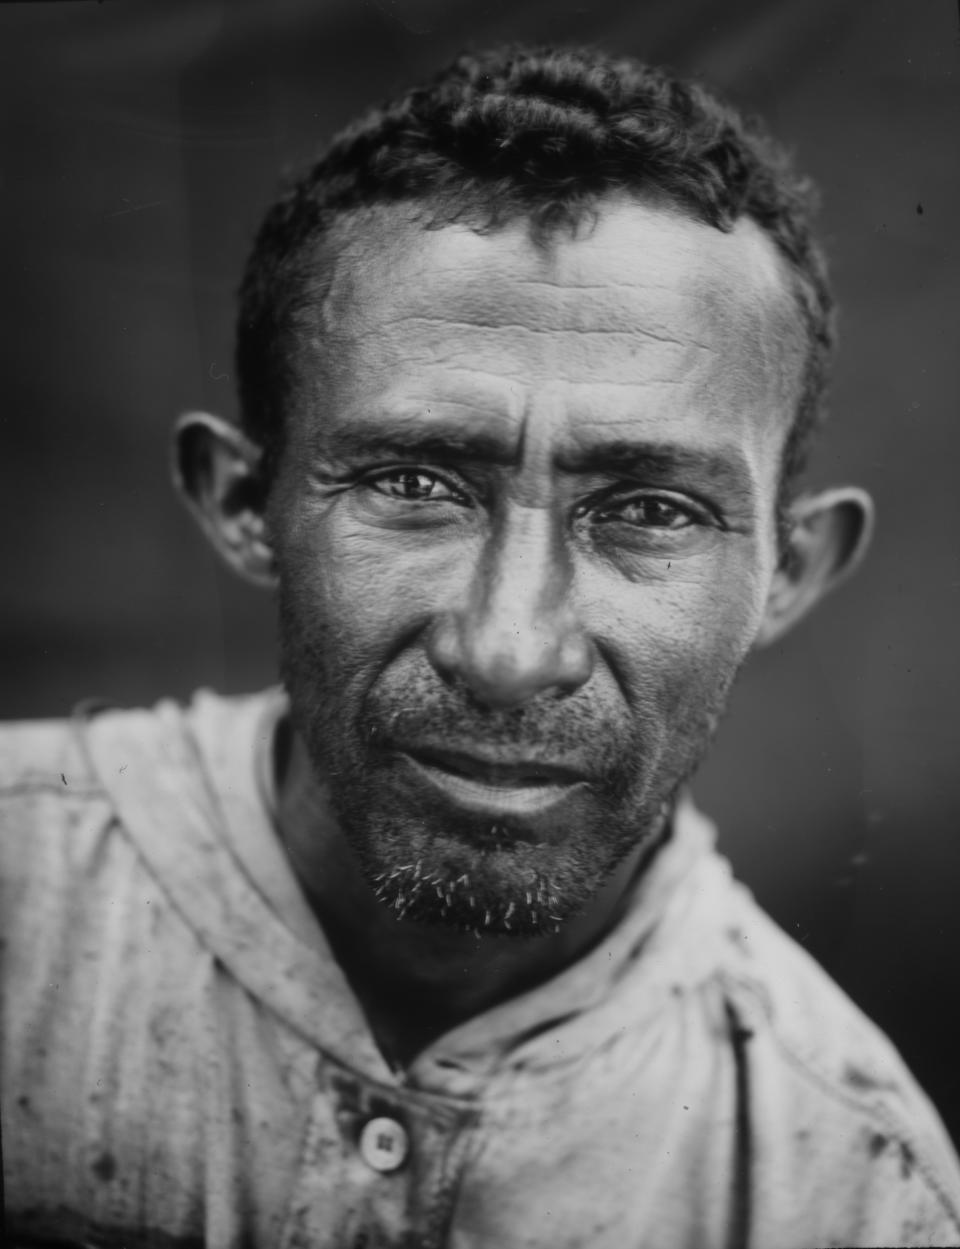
<point x="216" y="469"/>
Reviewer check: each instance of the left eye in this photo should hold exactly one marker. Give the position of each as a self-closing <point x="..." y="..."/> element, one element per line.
<point x="412" y="485"/>
<point x="648" y="511"/>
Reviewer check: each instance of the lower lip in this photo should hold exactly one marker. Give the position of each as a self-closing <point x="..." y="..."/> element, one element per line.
<point x="481" y="796"/>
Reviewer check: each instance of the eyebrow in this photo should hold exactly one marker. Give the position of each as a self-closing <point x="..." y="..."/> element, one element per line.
<point x="399" y="437"/>
<point x="725" y="466"/>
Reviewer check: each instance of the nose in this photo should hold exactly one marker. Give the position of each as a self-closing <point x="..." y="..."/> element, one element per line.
<point x="516" y="634"/>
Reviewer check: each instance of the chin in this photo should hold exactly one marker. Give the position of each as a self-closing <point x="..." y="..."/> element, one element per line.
<point x="510" y="876"/>
<point x="504" y="892"/>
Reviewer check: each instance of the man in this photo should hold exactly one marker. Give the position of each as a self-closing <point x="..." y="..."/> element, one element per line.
<point x="431" y="948"/>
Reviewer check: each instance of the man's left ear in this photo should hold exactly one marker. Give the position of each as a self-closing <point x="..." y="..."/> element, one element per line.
<point x="216" y="469"/>
<point x="829" y="535"/>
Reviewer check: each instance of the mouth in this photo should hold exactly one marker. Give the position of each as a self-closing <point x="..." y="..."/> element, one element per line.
<point x="494" y="784"/>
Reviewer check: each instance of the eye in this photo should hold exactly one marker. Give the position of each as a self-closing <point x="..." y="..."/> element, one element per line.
<point x="413" y="485"/>
<point x="649" y="511"/>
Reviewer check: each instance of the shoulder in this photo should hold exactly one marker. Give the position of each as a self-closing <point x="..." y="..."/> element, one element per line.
<point x="59" y="778"/>
<point x="55" y="753"/>
<point x="35" y="754"/>
<point x="50" y="797"/>
<point x="833" y="1095"/>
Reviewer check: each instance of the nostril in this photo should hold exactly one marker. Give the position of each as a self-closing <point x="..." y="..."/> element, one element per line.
<point x="506" y="665"/>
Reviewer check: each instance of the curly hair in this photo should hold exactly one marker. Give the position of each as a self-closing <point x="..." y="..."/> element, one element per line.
<point x="541" y="134"/>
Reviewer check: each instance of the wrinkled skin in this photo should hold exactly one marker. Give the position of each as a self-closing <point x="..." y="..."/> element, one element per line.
<point x="527" y="507"/>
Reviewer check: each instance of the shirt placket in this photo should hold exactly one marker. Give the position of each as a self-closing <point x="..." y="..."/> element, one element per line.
<point x="380" y="1166"/>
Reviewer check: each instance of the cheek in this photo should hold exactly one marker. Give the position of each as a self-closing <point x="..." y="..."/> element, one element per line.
<point x="359" y="598"/>
<point x="678" y="643"/>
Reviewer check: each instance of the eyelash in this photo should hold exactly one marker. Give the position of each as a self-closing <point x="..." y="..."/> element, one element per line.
<point x="373" y="481"/>
<point x="607" y="509"/>
<point x="695" y="513"/>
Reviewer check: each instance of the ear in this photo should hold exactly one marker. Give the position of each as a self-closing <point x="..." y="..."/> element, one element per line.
<point x="216" y="469"/>
<point x="829" y="535"/>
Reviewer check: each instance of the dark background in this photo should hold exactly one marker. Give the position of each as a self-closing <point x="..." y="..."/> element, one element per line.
<point x="140" y="144"/>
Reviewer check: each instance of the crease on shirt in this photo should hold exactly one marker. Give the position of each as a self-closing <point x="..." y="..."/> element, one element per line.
<point x="741" y="1180"/>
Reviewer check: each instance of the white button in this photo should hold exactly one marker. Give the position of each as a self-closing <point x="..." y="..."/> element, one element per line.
<point x="384" y="1144"/>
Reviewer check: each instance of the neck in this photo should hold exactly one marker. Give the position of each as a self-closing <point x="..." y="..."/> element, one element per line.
<point x="416" y="981"/>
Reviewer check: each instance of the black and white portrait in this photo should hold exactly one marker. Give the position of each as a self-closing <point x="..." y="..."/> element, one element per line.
<point x="478" y="760"/>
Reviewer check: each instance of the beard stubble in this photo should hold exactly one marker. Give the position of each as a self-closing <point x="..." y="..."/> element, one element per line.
<point x="434" y="863"/>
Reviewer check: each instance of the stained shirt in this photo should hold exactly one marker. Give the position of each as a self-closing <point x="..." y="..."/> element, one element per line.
<point x="184" y="1063"/>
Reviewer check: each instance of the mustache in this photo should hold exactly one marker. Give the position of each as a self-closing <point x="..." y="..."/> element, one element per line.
<point x="558" y="731"/>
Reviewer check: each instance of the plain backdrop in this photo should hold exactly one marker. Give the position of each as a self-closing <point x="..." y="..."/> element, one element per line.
<point x="140" y="144"/>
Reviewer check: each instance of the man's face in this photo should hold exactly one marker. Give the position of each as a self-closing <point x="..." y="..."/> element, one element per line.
<point x="525" y="531"/>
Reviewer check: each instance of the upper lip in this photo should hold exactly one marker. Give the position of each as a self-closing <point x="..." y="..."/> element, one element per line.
<point x="498" y="766"/>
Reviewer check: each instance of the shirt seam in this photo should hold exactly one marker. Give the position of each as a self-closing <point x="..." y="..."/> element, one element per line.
<point x="54" y="784"/>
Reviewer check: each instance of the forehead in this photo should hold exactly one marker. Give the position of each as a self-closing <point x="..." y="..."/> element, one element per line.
<point x="645" y="316"/>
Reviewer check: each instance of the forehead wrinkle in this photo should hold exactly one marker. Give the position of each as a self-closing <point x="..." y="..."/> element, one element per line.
<point x="522" y="356"/>
<point x="477" y="292"/>
<point x="517" y="374"/>
<point x="515" y="328"/>
<point x="518" y="359"/>
<point x="453" y="385"/>
<point x="562" y="304"/>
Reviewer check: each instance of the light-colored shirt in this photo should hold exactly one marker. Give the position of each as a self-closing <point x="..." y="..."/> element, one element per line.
<point x="183" y="1062"/>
